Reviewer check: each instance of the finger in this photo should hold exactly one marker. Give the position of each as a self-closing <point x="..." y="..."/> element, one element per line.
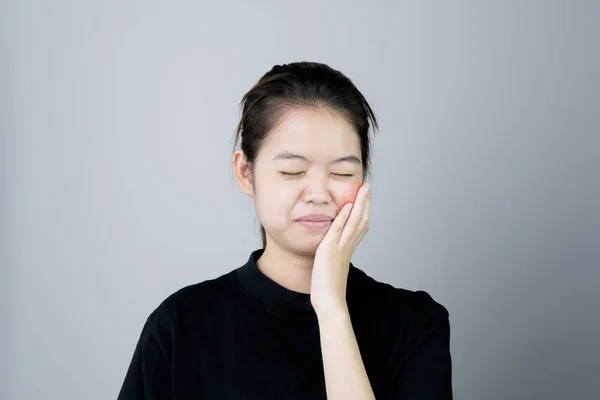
<point x="353" y="225"/>
<point x="337" y="225"/>
<point x="366" y="218"/>
<point x="363" y="226"/>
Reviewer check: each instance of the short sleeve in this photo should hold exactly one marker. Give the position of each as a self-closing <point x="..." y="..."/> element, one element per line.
<point x="149" y="374"/>
<point x="424" y="367"/>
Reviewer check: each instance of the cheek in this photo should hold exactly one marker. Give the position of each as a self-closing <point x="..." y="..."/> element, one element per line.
<point x="275" y="203"/>
<point x="348" y="195"/>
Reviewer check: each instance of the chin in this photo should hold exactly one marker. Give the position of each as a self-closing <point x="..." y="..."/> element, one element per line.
<point x="306" y="247"/>
<point x="299" y="243"/>
<point x="305" y="252"/>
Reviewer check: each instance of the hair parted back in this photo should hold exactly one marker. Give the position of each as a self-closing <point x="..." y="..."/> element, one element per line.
<point x="301" y="84"/>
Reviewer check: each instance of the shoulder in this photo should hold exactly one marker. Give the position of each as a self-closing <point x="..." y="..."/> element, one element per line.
<point x="406" y="307"/>
<point x="191" y="301"/>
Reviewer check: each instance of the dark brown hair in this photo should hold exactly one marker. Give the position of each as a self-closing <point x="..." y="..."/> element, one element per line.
<point x="301" y="84"/>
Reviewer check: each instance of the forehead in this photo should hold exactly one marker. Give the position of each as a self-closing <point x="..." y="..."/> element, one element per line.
<point x="315" y="133"/>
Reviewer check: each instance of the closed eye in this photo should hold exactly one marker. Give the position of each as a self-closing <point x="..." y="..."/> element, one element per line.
<point x="291" y="173"/>
<point x="300" y="173"/>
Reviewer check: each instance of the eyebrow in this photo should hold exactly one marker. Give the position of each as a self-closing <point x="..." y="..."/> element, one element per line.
<point x="286" y="155"/>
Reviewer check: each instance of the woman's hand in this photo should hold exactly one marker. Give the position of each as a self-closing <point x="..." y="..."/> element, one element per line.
<point x="332" y="258"/>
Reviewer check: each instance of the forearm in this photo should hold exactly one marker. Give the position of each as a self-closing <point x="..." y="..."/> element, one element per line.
<point x="345" y="374"/>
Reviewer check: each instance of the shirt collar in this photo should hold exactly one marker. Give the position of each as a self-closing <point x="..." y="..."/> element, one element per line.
<point x="269" y="293"/>
<point x="278" y="299"/>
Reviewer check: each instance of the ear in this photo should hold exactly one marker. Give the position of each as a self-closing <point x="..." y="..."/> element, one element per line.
<point x="243" y="173"/>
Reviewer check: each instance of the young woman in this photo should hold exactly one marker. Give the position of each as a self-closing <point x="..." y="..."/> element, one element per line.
<point x="298" y="320"/>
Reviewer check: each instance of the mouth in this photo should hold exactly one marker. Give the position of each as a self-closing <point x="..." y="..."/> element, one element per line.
<point x="315" y="225"/>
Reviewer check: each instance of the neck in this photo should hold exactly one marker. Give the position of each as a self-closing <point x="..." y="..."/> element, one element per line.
<point x="292" y="271"/>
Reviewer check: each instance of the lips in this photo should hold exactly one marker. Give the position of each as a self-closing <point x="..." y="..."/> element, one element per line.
<point x="315" y="218"/>
<point x="315" y="222"/>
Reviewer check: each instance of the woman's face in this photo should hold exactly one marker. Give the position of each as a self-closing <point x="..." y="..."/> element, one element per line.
<point x="310" y="164"/>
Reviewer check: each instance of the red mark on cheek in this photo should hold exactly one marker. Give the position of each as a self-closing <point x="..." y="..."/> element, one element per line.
<point x="347" y="196"/>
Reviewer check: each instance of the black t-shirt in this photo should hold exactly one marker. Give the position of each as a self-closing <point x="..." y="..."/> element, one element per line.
<point x="243" y="336"/>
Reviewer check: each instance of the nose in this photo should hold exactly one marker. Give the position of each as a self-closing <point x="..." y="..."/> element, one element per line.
<point x="317" y="190"/>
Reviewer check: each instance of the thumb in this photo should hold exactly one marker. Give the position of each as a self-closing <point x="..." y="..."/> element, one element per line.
<point x="337" y="226"/>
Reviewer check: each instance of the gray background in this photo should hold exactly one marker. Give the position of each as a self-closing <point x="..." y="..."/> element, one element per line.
<point x="117" y="187"/>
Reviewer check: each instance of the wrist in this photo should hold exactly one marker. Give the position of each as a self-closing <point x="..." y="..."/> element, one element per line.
<point x="332" y="311"/>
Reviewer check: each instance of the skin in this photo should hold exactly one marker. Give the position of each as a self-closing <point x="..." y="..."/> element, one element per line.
<point x="322" y="137"/>
<point x="315" y="262"/>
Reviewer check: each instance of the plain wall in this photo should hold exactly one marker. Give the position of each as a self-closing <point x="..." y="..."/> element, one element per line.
<point x="117" y="119"/>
